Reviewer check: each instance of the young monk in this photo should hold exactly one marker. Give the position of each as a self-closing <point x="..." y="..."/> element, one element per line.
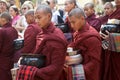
<point x="51" y="43"/>
<point x="108" y="10"/>
<point x="7" y="35"/>
<point x="30" y="33"/>
<point x="88" y="42"/>
<point x="112" y="66"/>
<point x="91" y="17"/>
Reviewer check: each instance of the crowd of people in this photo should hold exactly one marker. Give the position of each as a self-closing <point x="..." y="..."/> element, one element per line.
<point x="50" y="32"/>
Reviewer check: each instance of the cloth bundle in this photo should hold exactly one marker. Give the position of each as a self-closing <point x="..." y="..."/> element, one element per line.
<point x="78" y="72"/>
<point x="26" y="73"/>
<point x="114" y="42"/>
<point x="74" y="72"/>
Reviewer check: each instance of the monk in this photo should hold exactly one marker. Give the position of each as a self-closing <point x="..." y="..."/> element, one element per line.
<point x="88" y="42"/>
<point x="51" y="43"/>
<point x="91" y="17"/>
<point x="108" y="10"/>
<point x="112" y="66"/>
<point x="7" y="35"/>
<point x="69" y="5"/>
<point x="30" y="33"/>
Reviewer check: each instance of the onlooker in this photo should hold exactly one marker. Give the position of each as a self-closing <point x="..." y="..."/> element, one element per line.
<point x="3" y="6"/>
<point x="14" y="12"/>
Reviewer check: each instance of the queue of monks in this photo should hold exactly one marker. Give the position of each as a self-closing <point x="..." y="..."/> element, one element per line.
<point x="69" y="39"/>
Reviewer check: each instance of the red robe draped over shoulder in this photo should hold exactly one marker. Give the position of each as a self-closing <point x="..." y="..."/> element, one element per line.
<point x="51" y="43"/>
<point x="112" y="59"/>
<point x="94" y="22"/>
<point x="7" y="35"/>
<point x="88" y="41"/>
<point x="115" y="14"/>
<point x="30" y="38"/>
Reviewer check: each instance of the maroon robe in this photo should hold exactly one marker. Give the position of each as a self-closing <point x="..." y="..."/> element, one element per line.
<point x="111" y="59"/>
<point x="51" y="43"/>
<point x="88" y="42"/>
<point x="115" y="14"/>
<point x="103" y="19"/>
<point x="94" y="22"/>
<point x="7" y="35"/>
<point x="30" y="38"/>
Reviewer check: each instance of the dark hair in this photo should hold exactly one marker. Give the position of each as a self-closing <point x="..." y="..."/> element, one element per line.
<point x="15" y="9"/>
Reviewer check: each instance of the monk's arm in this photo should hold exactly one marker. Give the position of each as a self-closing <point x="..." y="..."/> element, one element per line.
<point x="57" y="55"/>
<point x="94" y="53"/>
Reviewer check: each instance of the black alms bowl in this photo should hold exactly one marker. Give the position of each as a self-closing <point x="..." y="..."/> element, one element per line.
<point x="112" y="28"/>
<point x="36" y="60"/>
<point x="18" y="44"/>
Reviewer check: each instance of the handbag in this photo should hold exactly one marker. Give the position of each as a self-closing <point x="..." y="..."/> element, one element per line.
<point x="64" y="27"/>
<point x="36" y="60"/>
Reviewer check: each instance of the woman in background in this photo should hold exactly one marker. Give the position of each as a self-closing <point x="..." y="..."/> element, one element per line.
<point x="14" y="12"/>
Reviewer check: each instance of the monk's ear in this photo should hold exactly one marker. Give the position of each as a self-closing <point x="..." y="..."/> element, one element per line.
<point x="82" y="17"/>
<point x="49" y="15"/>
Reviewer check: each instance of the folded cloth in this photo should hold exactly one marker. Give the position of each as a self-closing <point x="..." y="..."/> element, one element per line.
<point x="78" y="72"/>
<point x="26" y="73"/>
<point x="114" y="42"/>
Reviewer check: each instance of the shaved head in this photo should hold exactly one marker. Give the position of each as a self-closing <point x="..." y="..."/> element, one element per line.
<point x="77" y="12"/>
<point x="30" y="12"/>
<point x="110" y="4"/>
<point x="44" y="8"/>
<point x="71" y="1"/>
<point x="6" y="16"/>
<point x="90" y="5"/>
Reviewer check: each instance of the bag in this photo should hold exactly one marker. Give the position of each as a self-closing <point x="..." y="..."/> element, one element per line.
<point x="36" y="60"/>
<point x="18" y="44"/>
<point x="63" y="26"/>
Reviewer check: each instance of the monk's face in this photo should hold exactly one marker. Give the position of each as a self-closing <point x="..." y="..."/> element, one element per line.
<point x="108" y="9"/>
<point x="29" y="18"/>
<point x="69" y="6"/>
<point x="88" y="11"/>
<point x="42" y="18"/>
<point x="117" y="2"/>
<point x="77" y="23"/>
<point x="3" y="21"/>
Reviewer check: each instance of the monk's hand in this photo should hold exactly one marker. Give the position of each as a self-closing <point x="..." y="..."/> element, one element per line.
<point x="105" y="36"/>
